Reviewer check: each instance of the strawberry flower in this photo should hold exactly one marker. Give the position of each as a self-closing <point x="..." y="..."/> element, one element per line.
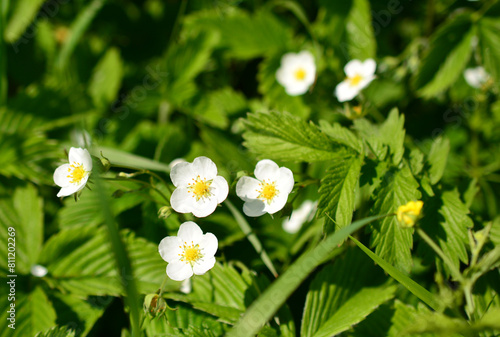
<point x="72" y="177"/>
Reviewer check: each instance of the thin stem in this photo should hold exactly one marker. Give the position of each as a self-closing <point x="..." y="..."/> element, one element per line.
<point x="140" y="182"/>
<point x="456" y="273"/>
<point x="162" y="287"/>
<point x="254" y="240"/>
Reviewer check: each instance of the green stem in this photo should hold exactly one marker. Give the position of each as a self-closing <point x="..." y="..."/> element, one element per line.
<point x="122" y="260"/>
<point x="142" y="183"/>
<point x="254" y="240"/>
<point x="162" y="287"/>
<point x="77" y="29"/>
<point x="455" y="272"/>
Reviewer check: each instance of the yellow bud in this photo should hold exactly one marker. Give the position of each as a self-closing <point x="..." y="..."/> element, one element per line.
<point x="408" y="214"/>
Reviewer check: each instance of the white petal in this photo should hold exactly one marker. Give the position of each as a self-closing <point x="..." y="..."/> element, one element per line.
<point x="169" y="248"/>
<point x="68" y="190"/>
<point x="352" y="68"/>
<point x="254" y="208"/>
<point x="204" y="265"/>
<point x="247" y="188"/>
<point x="219" y="188"/>
<point x="278" y="203"/>
<point x="306" y="57"/>
<point x="190" y="232"/>
<point x="86" y="160"/>
<point x="296" y="88"/>
<point x="299" y="217"/>
<point x="285" y="181"/>
<point x="179" y="271"/>
<point x="345" y="92"/>
<point x="209" y="244"/>
<point x="368" y="68"/>
<point x="61" y="176"/>
<point x="76" y="155"/>
<point x="266" y="169"/>
<point x="204" y="207"/>
<point x="181" y="200"/>
<point x="182" y="174"/>
<point x="205" y="167"/>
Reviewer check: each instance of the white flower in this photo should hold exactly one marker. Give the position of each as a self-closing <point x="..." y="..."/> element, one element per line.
<point x="199" y="188"/>
<point x="476" y="77"/>
<point x="269" y="192"/>
<point x="72" y="177"/>
<point x="359" y="75"/>
<point x="175" y="162"/>
<point x="299" y="216"/>
<point x="190" y="252"/>
<point x="38" y="270"/>
<point x="297" y="72"/>
<point x="186" y="286"/>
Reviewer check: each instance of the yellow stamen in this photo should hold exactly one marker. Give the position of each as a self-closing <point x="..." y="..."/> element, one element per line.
<point x="76" y="173"/>
<point x="191" y="253"/>
<point x="200" y="188"/>
<point x="300" y="74"/>
<point x="353" y="81"/>
<point x="268" y="191"/>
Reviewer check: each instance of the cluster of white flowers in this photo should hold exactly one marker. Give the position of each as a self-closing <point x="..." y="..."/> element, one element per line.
<point x="298" y="72"/>
<point x="198" y="191"/>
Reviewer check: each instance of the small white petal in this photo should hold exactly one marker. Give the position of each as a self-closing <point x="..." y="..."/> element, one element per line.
<point x="205" y="167"/>
<point x="38" y="270"/>
<point x="169" y="248"/>
<point x="247" y="188"/>
<point x="73" y="188"/>
<point x="220" y="189"/>
<point x="285" y="181"/>
<point x="254" y="208"/>
<point x="179" y="271"/>
<point x="368" y="68"/>
<point x="190" y="232"/>
<point x="204" y="265"/>
<point x="86" y="160"/>
<point x="345" y="92"/>
<point x="204" y="207"/>
<point x="476" y="77"/>
<point x="299" y="217"/>
<point x="175" y="162"/>
<point x="278" y="203"/>
<point x="182" y="174"/>
<point x="186" y="286"/>
<point x="181" y="200"/>
<point x="353" y="67"/>
<point x="61" y="176"/>
<point x="266" y="169"/>
<point x="209" y="243"/>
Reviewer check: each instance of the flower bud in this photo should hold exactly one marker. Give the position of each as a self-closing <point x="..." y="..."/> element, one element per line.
<point x="106" y="164"/>
<point x="154" y="305"/>
<point x="164" y="212"/>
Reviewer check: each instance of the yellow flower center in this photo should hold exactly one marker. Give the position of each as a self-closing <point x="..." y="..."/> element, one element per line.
<point x="408" y="214"/>
<point x="300" y="74"/>
<point x="76" y="173"/>
<point x="353" y="81"/>
<point x="200" y="188"/>
<point x="268" y="191"/>
<point x="191" y="253"/>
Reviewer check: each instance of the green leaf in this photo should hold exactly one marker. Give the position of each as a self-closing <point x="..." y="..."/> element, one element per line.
<point x="415" y="288"/>
<point x="23" y="14"/>
<point x="106" y="79"/>
<point x="392" y="242"/>
<point x="80" y="261"/>
<point x="416" y="161"/>
<point x="281" y="136"/>
<point x="341" y="135"/>
<point x="57" y="332"/>
<point x="87" y="210"/>
<point x="489" y="41"/>
<point x="446" y="222"/>
<point x="360" y="36"/>
<point x="449" y="52"/>
<point x="24" y="212"/>
<point x="336" y="193"/>
<point x="275" y="295"/>
<point x="392" y="133"/>
<point x="245" y="36"/>
<point x="370" y="133"/>
<point x="437" y="159"/>
<point x="34" y="313"/>
<point x="342" y="295"/>
<point x="122" y="158"/>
